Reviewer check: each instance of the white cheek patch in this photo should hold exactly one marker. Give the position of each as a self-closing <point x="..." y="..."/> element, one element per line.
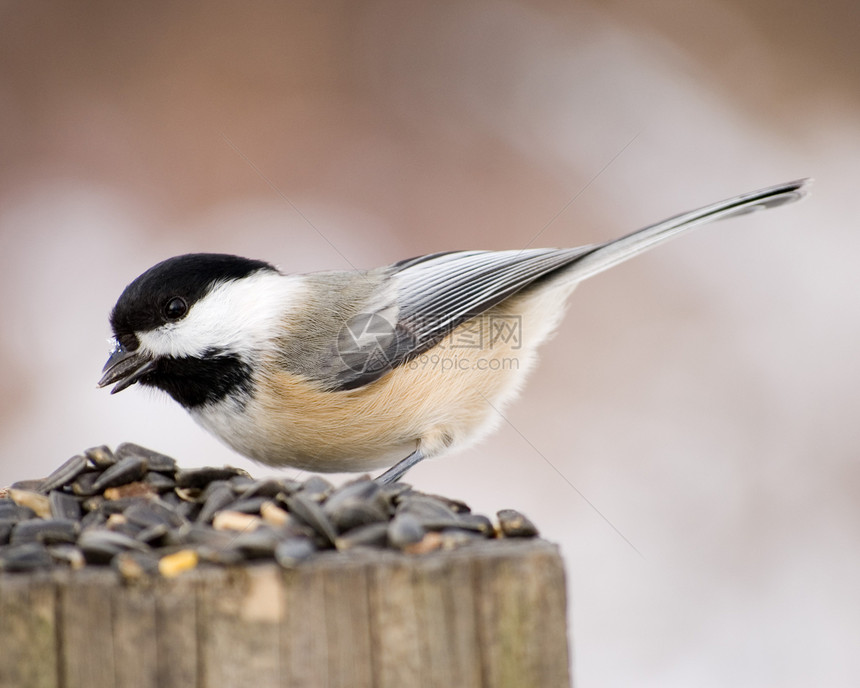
<point x="235" y="317"/>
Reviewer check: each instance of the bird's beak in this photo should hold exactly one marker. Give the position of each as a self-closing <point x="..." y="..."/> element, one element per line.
<point x="125" y="368"/>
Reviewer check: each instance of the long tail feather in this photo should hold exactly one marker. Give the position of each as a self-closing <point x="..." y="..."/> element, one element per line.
<point x="617" y="251"/>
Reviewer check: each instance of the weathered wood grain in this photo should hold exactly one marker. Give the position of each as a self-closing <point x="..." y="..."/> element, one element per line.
<point x="445" y="594"/>
<point x="346" y="614"/>
<point x="86" y="652"/>
<point x="28" y="633"/>
<point x="488" y="616"/>
<point x="521" y="609"/>
<point x="177" y="637"/>
<point x="396" y="625"/>
<point x="240" y="613"/>
<point x="135" y="638"/>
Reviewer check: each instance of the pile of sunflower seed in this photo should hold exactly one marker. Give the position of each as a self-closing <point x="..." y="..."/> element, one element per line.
<point x="134" y="509"/>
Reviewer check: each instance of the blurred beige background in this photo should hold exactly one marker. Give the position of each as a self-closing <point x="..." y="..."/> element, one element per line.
<point x="702" y="398"/>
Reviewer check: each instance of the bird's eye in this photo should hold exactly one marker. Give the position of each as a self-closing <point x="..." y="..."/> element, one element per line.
<point x="175" y="308"/>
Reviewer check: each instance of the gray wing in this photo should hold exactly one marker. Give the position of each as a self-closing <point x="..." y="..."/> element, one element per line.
<point x="419" y="301"/>
<point x="425" y="298"/>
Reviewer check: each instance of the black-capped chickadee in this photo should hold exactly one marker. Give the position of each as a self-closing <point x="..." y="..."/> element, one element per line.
<point x="350" y="371"/>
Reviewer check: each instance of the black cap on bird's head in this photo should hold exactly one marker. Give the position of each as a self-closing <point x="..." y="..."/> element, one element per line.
<point x="160" y="297"/>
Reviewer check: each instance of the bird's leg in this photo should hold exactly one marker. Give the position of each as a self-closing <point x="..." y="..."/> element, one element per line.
<point x="397" y="471"/>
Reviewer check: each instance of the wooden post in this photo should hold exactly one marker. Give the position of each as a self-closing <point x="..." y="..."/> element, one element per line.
<point x="490" y="615"/>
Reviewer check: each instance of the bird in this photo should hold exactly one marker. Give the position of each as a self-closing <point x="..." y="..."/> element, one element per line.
<point x="358" y="370"/>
